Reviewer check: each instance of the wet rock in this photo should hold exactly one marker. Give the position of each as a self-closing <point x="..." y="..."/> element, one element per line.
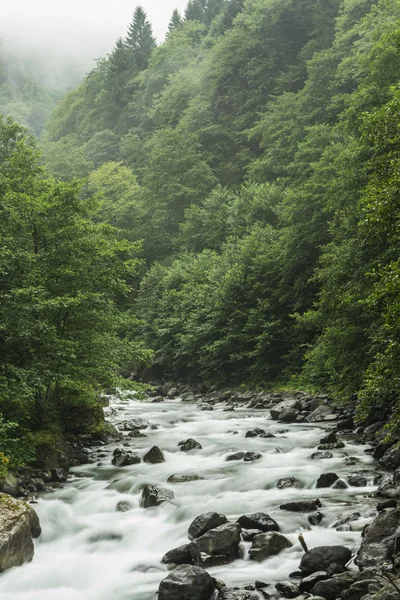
<point x="373" y="556"/>
<point x="124" y="506"/>
<point x="340" y="485"/>
<point x="321" y="455"/>
<point x="18" y="525"/>
<point x="287" y="589"/>
<point x="379" y="540"/>
<point x="302" y="505"/>
<point x="335" y="446"/>
<point x="319" y="558"/>
<point x="123" y="458"/>
<point x="357" y="480"/>
<point x="9" y="485"/>
<point x="58" y="474"/>
<point x="249" y="534"/>
<point x="188" y="397"/>
<point x="204" y="523"/>
<point x="391" y="458"/>
<point x="190" y="444"/>
<point x="321" y="413"/>
<point x="235" y="594"/>
<point x="255" y="433"/>
<point x="136" y="433"/>
<point x="221" y="543"/>
<point x="134" y="424"/>
<point x="343" y="524"/>
<point x="315" y="518"/>
<point x="358" y="589"/>
<point x="252" y="456"/>
<point x="268" y="544"/>
<point x="235" y="456"/>
<point x="183" y="478"/>
<point x="178" y="556"/>
<point x="157" y="399"/>
<point x="186" y="583"/>
<point x="153" y="495"/>
<point x="288" y="415"/>
<point x="309" y="582"/>
<point x="326" y="480"/>
<point x="286" y="405"/>
<point x="329" y="438"/>
<point x="288" y="482"/>
<point x="154" y="456"/>
<point x="260" y="521"/>
<point x="330" y="589"/>
<point x="386" y="504"/>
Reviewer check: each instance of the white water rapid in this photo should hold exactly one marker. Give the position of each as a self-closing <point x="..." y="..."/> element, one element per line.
<point x="89" y="551"/>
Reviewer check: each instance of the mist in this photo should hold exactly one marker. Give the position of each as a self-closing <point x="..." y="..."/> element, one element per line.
<point x="69" y="36"/>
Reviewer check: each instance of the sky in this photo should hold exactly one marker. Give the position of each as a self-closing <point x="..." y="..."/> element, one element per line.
<point x="80" y="30"/>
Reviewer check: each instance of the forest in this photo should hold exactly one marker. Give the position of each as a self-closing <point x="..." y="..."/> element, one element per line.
<point x="223" y="205"/>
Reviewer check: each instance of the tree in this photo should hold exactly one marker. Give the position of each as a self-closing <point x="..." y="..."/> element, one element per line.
<point x="195" y="10"/>
<point x="140" y="40"/>
<point x="175" y="21"/>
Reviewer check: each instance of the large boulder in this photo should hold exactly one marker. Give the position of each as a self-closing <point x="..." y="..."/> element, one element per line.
<point x="218" y="546"/>
<point x="379" y="540"/>
<point x="9" y="485"/>
<point x="123" y="458"/>
<point x="186" y="583"/>
<point x="286" y="405"/>
<point x="321" y="413"/>
<point x="302" y="506"/>
<point x="260" y="521"/>
<point x="332" y="588"/>
<point x="268" y="544"/>
<point x="133" y="424"/>
<point x="178" y="556"/>
<point x="204" y="523"/>
<point x="18" y="525"/>
<point x="153" y="495"/>
<point x="321" y="557"/>
<point x="325" y="480"/>
<point x="391" y="458"/>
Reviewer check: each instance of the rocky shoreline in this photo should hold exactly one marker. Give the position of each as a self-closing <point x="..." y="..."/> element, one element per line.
<point x="327" y="572"/>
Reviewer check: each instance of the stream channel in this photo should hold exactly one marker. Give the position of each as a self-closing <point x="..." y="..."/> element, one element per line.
<point x="90" y="551"/>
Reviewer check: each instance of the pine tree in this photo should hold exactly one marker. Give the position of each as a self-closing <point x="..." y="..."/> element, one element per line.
<point x="140" y="39"/>
<point x="175" y="21"/>
<point x="195" y="10"/>
<point x="118" y="72"/>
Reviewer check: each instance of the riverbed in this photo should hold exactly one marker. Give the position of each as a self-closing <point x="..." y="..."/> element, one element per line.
<point x="90" y="551"/>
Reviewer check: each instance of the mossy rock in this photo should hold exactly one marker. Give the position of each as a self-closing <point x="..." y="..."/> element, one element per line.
<point x="51" y="450"/>
<point x="18" y="525"/>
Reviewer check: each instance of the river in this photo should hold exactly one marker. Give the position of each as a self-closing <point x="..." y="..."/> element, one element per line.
<point x="90" y="551"/>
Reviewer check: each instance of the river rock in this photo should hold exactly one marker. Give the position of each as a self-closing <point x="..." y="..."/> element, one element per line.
<point x="124" y="458"/>
<point x="340" y="485"/>
<point x="18" y="525"/>
<point x="357" y="480"/>
<point x="391" y="458"/>
<point x="329" y="438"/>
<point x="288" y="415"/>
<point x="182" y="478"/>
<point x="325" y="480"/>
<point x="307" y="583"/>
<point x="379" y="540"/>
<point x="302" y="505"/>
<point x="287" y="589"/>
<point x="252" y="456"/>
<point x="204" y="523"/>
<point x="288" y="482"/>
<point x="331" y="589"/>
<point x="276" y="410"/>
<point x="154" y="456"/>
<point x="186" y="583"/>
<point x="343" y="524"/>
<point x="268" y="544"/>
<point x="137" y="423"/>
<point x="260" y="521"/>
<point x="136" y="433"/>
<point x="178" y="556"/>
<point x="386" y="504"/>
<point x="321" y="455"/>
<point x="234" y="594"/>
<point x="315" y="518"/>
<point x="321" y="413"/>
<point x="335" y="446"/>
<point x="255" y="433"/>
<point x="153" y="495"/>
<point x="249" y="534"/>
<point x="190" y="444"/>
<point x="124" y="506"/>
<point x="9" y="485"/>
<point x="319" y="558"/>
<point x="218" y="546"/>
<point x="235" y="456"/>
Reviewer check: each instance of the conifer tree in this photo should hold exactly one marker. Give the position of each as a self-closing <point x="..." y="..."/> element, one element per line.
<point x="118" y="69"/>
<point x="195" y="10"/>
<point x="175" y="21"/>
<point x="140" y="39"/>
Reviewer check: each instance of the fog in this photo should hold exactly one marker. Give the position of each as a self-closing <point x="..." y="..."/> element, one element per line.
<point x="74" y="32"/>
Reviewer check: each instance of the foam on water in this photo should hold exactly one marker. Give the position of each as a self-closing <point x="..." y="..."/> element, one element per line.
<point x="89" y="551"/>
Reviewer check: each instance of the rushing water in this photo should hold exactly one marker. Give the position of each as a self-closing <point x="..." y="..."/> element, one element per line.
<point x="89" y="551"/>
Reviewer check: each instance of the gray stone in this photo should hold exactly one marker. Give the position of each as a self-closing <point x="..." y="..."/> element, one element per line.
<point x="391" y="458"/>
<point x="326" y="480"/>
<point x="182" y="478"/>
<point x="268" y="544"/>
<point x="190" y="444"/>
<point x="315" y="518"/>
<point x="288" y="482"/>
<point x="204" y="523"/>
<point x="260" y="521"/>
<point x="178" y="556"/>
<point x="18" y="525"/>
<point x="186" y="583"/>
<point x="124" y="506"/>
<point x="252" y="456"/>
<point x="154" y="456"/>
<point x="235" y="456"/>
<point x="321" y="413"/>
<point x="153" y="495"/>
<point x="307" y="583"/>
<point x="321" y="455"/>
<point x="287" y="589"/>
<point x="9" y="485"/>
<point x="329" y="438"/>
<point x="288" y="415"/>
<point x="357" y="480"/>
<point x="221" y="542"/>
<point x="137" y="423"/>
<point x="320" y="557"/>
<point x="302" y="505"/>
<point x="122" y="458"/>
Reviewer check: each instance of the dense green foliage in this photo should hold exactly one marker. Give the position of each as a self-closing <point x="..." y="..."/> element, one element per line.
<point x="255" y="154"/>
<point x="63" y="334"/>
